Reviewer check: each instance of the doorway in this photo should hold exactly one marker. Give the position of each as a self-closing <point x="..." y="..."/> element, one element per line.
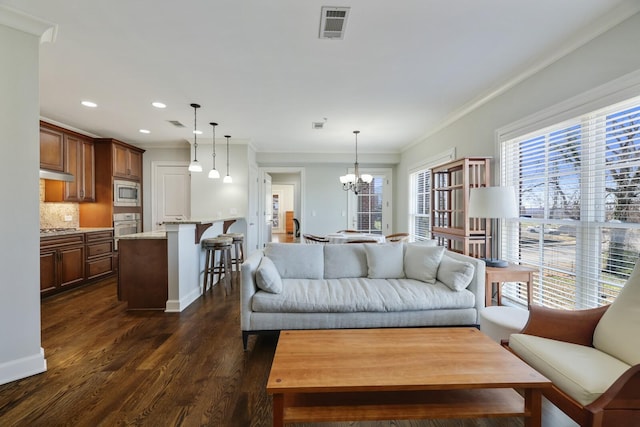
<point x="286" y="184"/>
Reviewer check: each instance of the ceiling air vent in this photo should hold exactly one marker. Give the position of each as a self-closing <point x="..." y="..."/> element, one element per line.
<point x="176" y="123"/>
<point x="333" y="22"/>
<point x="317" y="125"/>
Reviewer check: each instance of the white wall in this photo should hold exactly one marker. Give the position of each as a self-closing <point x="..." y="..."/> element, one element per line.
<point x="605" y="58"/>
<point x="212" y="198"/>
<point x="20" y="351"/>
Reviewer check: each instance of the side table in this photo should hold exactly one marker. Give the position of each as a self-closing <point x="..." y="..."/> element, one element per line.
<point x="511" y="273"/>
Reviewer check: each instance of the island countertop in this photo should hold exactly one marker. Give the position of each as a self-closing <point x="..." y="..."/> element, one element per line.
<point x="157" y="234"/>
<point x="200" y="221"/>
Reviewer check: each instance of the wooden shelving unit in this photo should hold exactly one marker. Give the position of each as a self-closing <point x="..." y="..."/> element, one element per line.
<point x="450" y="222"/>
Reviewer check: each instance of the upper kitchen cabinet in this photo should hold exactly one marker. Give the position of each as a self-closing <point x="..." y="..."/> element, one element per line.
<point x="78" y="159"/>
<point x="51" y="149"/>
<point x="127" y="161"/>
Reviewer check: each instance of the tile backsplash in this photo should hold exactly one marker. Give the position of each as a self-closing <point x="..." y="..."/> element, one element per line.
<point x="57" y="215"/>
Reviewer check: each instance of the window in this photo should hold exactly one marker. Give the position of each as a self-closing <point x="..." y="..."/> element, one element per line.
<point x="370" y="210"/>
<point x="420" y="196"/>
<point x="420" y="212"/>
<point x="578" y="184"/>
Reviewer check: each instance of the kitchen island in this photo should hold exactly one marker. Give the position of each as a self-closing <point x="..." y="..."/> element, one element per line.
<point x="183" y="258"/>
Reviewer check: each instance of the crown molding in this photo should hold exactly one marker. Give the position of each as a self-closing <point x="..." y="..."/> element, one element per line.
<point x="13" y="18"/>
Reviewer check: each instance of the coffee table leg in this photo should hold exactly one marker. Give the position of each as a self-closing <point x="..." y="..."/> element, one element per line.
<point x="533" y="406"/>
<point x="278" y="410"/>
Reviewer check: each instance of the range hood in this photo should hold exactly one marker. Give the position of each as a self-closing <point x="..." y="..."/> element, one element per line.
<point x="56" y="176"/>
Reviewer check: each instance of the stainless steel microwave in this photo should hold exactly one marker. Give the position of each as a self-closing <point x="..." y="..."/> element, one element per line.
<point x="126" y="193"/>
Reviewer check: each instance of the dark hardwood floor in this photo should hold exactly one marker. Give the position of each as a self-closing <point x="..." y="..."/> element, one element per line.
<point x="108" y="366"/>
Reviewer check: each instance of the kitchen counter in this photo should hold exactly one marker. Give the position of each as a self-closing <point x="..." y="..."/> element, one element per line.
<point x="151" y="235"/>
<point x="163" y="269"/>
<point x="62" y="232"/>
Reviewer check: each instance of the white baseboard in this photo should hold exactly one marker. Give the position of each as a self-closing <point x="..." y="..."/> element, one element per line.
<point x="22" y="368"/>
<point x="176" y="306"/>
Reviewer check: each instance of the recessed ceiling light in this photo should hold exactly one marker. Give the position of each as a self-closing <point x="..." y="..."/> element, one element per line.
<point x="144" y="131"/>
<point x="89" y="104"/>
<point x="197" y="132"/>
<point x="159" y="105"/>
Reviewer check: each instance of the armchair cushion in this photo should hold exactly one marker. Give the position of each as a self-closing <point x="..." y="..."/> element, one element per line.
<point x="616" y="333"/>
<point x="582" y="372"/>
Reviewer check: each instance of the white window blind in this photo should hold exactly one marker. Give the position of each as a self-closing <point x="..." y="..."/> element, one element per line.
<point x="420" y="213"/>
<point x="578" y="184"/>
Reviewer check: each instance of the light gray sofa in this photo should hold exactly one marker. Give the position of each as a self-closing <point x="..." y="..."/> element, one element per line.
<point x="304" y="286"/>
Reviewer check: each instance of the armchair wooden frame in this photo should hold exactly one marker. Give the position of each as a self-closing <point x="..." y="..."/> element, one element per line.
<point x="616" y="407"/>
<point x="397" y="237"/>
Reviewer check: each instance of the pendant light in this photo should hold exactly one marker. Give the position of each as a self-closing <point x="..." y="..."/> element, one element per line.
<point x="227" y="179"/>
<point x="213" y="173"/>
<point x="195" y="166"/>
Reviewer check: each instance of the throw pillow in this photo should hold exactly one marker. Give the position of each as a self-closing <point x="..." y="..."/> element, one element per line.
<point x="384" y="260"/>
<point x="421" y="262"/>
<point x="267" y="277"/>
<point x="455" y="274"/>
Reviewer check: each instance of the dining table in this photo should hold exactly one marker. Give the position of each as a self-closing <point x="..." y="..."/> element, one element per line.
<point x="350" y="237"/>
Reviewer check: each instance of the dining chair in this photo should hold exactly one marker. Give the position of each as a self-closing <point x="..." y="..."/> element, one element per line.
<point x="362" y="241"/>
<point x="347" y="231"/>
<point x="310" y="238"/>
<point x="397" y="237"/>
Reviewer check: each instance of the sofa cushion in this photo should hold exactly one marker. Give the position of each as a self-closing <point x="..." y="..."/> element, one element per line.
<point x="384" y="261"/>
<point x="343" y="261"/>
<point x="621" y="322"/>
<point x="267" y="276"/>
<point x="297" y="261"/>
<point x="421" y="262"/>
<point x="582" y="372"/>
<point x="455" y="274"/>
<point x="360" y="295"/>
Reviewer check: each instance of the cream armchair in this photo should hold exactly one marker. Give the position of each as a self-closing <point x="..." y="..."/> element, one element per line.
<point x="591" y="356"/>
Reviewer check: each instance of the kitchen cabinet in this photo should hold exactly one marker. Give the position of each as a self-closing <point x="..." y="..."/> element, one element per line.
<point x="77" y="156"/>
<point x="99" y="254"/>
<point x="113" y="160"/>
<point x="51" y="149"/>
<point x="62" y="262"/>
<point x="80" y="161"/>
<point x="127" y="162"/>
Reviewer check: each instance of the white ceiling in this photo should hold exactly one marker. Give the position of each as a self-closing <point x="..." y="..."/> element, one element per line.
<point x="259" y="69"/>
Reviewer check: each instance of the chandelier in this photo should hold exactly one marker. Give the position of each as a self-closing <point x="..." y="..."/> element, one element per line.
<point x="354" y="181"/>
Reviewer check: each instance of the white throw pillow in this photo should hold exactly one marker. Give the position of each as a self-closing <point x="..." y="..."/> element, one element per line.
<point x="421" y="262"/>
<point x="267" y="276"/>
<point x="455" y="274"/>
<point x="384" y="260"/>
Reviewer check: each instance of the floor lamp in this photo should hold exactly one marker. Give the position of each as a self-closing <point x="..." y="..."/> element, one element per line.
<point x="493" y="203"/>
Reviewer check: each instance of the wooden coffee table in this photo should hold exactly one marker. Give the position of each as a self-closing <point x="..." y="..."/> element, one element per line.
<point x="387" y="374"/>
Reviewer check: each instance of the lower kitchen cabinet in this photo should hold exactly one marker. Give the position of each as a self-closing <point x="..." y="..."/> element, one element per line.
<point x="61" y="262"/>
<point x="74" y="259"/>
<point x="100" y="260"/>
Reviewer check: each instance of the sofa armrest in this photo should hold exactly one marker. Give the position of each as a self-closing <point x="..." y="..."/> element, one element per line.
<point x="622" y="396"/>
<point x="575" y="326"/>
<point x="248" y="287"/>
<point x="477" y="285"/>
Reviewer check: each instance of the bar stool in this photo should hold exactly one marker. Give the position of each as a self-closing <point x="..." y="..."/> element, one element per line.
<point x="212" y="246"/>
<point x="238" y="256"/>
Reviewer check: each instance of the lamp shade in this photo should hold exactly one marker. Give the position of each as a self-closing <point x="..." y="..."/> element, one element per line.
<point x="493" y="202"/>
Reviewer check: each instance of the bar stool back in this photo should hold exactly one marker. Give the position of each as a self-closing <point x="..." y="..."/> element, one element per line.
<point x="212" y="246"/>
